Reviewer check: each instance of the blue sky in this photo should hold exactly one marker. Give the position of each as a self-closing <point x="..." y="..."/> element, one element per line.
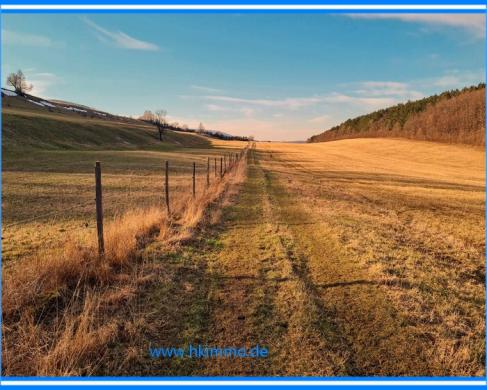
<point x="276" y="76"/>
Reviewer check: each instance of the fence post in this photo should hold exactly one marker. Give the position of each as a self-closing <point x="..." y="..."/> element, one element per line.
<point x="221" y="167"/>
<point x="166" y="187"/>
<point x="194" y="179"/>
<point x="215" y="166"/>
<point x="208" y="173"/>
<point x="99" y="209"/>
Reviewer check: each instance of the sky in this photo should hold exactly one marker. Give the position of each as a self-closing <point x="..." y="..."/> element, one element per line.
<point x="276" y="76"/>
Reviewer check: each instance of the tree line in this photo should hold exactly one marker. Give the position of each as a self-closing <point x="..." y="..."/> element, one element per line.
<point x="455" y="116"/>
<point x="159" y="119"/>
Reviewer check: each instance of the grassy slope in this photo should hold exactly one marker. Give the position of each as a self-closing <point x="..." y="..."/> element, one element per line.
<point x="357" y="257"/>
<point x="26" y="126"/>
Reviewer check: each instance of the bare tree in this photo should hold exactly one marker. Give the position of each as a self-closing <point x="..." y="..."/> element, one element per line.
<point x="19" y="82"/>
<point x="160" y="116"/>
<point x="160" y="121"/>
<point x="157" y="118"/>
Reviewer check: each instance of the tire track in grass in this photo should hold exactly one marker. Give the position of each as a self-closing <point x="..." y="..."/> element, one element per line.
<point x="262" y="297"/>
<point x="375" y="334"/>
<point x="246" y="279"/>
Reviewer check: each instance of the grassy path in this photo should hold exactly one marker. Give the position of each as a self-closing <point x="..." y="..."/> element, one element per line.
<point x="261" y="297"/>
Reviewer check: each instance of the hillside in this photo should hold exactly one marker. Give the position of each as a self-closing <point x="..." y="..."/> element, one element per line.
<point x="33" y="123"/>
<point x="456" y="116"/>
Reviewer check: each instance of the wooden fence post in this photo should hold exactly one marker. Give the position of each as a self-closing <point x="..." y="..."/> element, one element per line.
<point x="208" y="173"/>
<point x="166" y="187"/>
<point x="215" y="166"/>
<point x="221" y="167"/>
<point x="99" y="209"/>
<point x="194" y="179"/>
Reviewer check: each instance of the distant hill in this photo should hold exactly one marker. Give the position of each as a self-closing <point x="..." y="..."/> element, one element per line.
<point x="456" y="116"/>
<point x="29" y="122"/>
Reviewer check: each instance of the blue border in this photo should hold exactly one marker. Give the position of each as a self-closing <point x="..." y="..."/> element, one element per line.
<point x="170" y="380"/>
<point x="250" y="2"/>
<point x="244" y="11"/>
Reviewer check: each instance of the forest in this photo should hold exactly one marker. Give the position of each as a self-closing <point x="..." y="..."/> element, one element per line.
<point x="455" y="116"/>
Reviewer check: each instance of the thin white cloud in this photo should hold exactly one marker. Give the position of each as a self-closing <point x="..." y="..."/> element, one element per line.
<point x="294" y="118"/>
<point x="288" y="103"/>
<point x="222" y="103"/>
<point x="388" y="88"/>
<point x="247" y="111"/>
<point x="320" y="120"/>
<point x="216" y="107"/>
<point x="371" y="103"/>
<point x="43" y="83"/>
<point x="456" y="79"/>
<point x="447" y="81"/>
<point x="205" y="89"/>
<point x="473" y="23"/>
<point x="15" y="38"/>
<point x="372" y="94"/>
<point x="119" y="38"/>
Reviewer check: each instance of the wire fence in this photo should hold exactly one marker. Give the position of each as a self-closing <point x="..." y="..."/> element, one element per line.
<point x="117" y="194"/>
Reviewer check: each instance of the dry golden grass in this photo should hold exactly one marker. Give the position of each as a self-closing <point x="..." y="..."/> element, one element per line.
<point x="398" y="228"/>
<point x="57" y="303"/>
<point x="49" y="194"/>
<point x="350" y="258"/>
<point x="355" y="257"/>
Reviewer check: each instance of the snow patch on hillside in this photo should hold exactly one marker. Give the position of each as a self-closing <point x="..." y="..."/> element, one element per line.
<point x="7" y="92"/>
<point x="34" y="102"/>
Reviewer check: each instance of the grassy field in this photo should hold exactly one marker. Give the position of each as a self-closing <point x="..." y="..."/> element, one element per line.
<point x="354" y="257"/>
<point x="357" y="257"/>
<point x="48" y="172"/>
